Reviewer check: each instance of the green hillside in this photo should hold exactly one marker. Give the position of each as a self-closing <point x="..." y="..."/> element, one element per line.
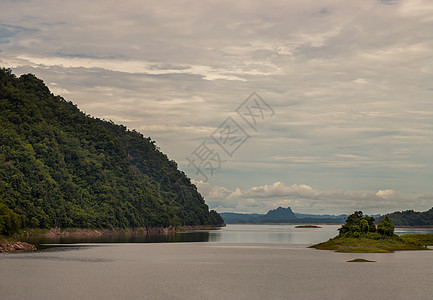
<point x="62" y="168"/>
<point x="412" y="218"/>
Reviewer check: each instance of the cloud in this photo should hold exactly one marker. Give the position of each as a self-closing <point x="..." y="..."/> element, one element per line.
<point x="385" y="193"/>
<point x="129" y="66"/>
<point x="303" y="198"/>
<point x="278" y="189"/>
<point x="350" y="83"/>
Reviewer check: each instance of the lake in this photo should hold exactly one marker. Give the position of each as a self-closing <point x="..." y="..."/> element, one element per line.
<point x="235" y="262"/>
<point x="280" y="234"/>
<point x="233" y="233"/>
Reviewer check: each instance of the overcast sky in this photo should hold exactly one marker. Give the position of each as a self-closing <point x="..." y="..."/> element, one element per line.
<point x="346" y="121"/>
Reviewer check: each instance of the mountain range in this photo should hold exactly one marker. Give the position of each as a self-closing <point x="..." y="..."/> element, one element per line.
<point x="281" y="215"/>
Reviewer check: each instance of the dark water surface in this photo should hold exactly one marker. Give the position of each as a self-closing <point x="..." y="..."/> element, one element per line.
<point x="193" y="236"/>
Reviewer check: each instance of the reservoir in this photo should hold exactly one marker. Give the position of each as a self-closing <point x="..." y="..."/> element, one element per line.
<point x="235" y="262"/>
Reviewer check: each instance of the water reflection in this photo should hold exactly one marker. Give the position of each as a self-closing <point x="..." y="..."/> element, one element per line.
<point x="49" y="242"/>
<point x="412" y="230"/>
<point x="275" y="234"/>
<point x="60" y="258"/>
<point x="281" y="234"/>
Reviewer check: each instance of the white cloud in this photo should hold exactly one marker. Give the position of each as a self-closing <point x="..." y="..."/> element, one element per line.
<point x="278" y="189"/>
<point x="419" y="10"/>
<point x="130" y="66"/>
<point x="385" y="193"/>
<point x="211" y="192"/>
<point x="304" y="199"/>
<point x="350" y="83"/>
<point x="360" y="81"/>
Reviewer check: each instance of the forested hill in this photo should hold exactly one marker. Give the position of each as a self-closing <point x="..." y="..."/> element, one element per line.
<point x="62" y="168"/>
<point x="411" y="218"/>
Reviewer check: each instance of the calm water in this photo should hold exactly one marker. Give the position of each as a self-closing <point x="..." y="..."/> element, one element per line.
<point x="277" y="234"/>
<point x="235" y="262"/>
<point x="400" y="231"/>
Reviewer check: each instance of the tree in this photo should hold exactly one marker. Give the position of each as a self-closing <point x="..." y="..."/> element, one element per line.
<point x="9" y="221"/>
<point x="364" y="226"/>
<point x="371" y="225"/>
<point x="352" y="224"/>
<point x="386" y="227"/>
<point x="357" y="225"/>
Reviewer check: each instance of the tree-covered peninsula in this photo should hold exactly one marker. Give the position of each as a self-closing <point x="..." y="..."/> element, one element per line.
<point x="360" y="235"/>
<point x="62" y="168"/>
<point x="411" y="218"/>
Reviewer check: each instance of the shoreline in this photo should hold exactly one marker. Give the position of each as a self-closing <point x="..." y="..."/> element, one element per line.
<point x="285" y="223"/>
<point x="13" y="244"/>
<point x="92" y="232"/>
<point x="371" y="245"/>
<point x="395" y="226"/>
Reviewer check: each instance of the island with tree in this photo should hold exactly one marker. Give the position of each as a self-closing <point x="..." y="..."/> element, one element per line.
<point x="361" y="235"/>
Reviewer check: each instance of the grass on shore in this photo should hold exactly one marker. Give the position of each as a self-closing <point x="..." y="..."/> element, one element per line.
<point x="365" y="245"/>
<point x="421" y="239"/>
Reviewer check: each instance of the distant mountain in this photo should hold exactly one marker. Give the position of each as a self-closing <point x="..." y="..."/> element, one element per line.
<point x="303" y="216"/>
<point x="233" y="218"/>
<point x="411" y="218"/>
<point x="62" y="168"/>
<point x="281" y="215"/>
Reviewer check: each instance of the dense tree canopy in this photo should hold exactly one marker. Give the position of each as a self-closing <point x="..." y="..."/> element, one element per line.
<point x="358" y="225"/>
<point x="412" y="218"/>
<point x="62" y="168"/>
<point x="386" y="227"/>
<point x="9" y="221"/>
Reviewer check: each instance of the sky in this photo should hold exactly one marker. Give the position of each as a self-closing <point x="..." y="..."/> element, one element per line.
<point x="324" y="106"/>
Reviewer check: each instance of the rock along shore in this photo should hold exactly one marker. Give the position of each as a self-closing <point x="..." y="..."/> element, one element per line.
<point x="13" y="246"/>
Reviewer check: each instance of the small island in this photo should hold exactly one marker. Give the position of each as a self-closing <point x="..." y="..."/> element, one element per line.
<point x="360" y="235"/>
<point x="360" y="260"/>
<point x="308" y="226"/>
